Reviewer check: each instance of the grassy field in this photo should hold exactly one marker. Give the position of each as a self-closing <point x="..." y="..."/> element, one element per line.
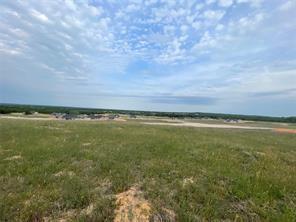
<point x="54" y="170"/>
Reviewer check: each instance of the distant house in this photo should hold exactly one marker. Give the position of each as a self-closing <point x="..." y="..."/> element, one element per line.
<point x="69" y="116"/>
<point x="113" y="116"/>
<point x="95" y="116"/>
<point x="82" y="116"/>
<point x="231" y="121"/>
<point x="58" y="115"/>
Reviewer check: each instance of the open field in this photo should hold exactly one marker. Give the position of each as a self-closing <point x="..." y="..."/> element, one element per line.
<point x="103" y="170"/>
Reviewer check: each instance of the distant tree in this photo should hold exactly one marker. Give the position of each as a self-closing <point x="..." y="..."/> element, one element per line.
<point x="28" y="112"/>
<point x="74" y="112"/>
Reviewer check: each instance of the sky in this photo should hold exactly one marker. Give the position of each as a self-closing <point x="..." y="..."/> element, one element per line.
<point x="226" y="56"/>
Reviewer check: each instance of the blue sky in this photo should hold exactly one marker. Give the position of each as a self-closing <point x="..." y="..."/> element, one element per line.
<point x="230" y="56"/>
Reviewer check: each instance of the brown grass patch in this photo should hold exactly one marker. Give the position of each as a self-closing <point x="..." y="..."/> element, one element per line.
<point x="64" y="173"/>
<point x="88" y="210"/>
<point x="165" y="215"/>
<point x="132" y="207"/>
<point x="120" y="119"/>
<point x="86" y="144"/>
<point x="284" y="130"/>
<point x="187" y="181"/>
<point x="63" y="217"/>
<point x="16" y="157"/>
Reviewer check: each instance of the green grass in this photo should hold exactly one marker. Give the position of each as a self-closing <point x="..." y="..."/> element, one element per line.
<point x="63" y="167"/>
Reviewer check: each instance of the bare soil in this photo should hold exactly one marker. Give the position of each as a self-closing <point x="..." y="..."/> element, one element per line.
<point x="206" y="125"/>
<point x="283" y="130"/>
<point x="132" y="207"/>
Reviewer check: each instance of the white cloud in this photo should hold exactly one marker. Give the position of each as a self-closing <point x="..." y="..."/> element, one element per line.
<point x="208" y="2"/>
<point x="248" y="23"/>
<point x="184" y="28"/>
<point x="253" y="3"/>
<point x="70" y="4"/>
<point x="117" y="31"/>
<point x="38" y="15"/>
<point x="173" y="53"/>
<point x="177" y="12"/>
<point x="219" y="27"/>
<point x="10" y="51"/>
<point x="207" y="41"/>
<point x="132" y="8"/>
<point x="213" y="14"/>
<point x="150" y="2"/>
<point x="287" y="5"/>
<point x="19" y="33"/>
<point x="199" y="6"/>
<point x="197" y="25"/>
<point x="225" y="3"/>
<point x="169" y="29"/>
<point x="95" y="11"/>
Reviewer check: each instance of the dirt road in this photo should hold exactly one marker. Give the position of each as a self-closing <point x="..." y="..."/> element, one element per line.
<point x="205" y="125"/>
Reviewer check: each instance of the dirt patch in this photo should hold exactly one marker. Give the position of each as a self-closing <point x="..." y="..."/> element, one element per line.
<point x="206" y="125"/>
<point x="4" y="150"/>
<point x="243" y="207"/>
<point x="88" y="210"/>
<point x="120" y="119"/>
<point x="70" y="214"/>
<point x="260" y="154"/>
<point x="63" y="217"/>
<point x="16" y="157"/>
<point x="64" y="173"/>
<point x="53" y="128"/>
<point x="49" y="127"/>
<point x="132" y="207"/>
<point x="164" y="215"/>
<point x="86" y="144"/>
<point x="27" y="118"/>
<point x="104" y="186"/>
<point x="283" y="130"/>
<point x="187" y="181"/>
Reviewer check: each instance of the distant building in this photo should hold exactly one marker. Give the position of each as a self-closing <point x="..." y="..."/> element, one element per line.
<point x="231" y="121"/>
<point x="82" y="116"/>
<point x="95" y="116"/>
<point x="113" y="116"/>
<point x="58" y="115"/>
<point x="69" y="116"/>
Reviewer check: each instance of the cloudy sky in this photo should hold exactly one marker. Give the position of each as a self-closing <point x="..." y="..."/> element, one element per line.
<point x="230" y="56"/>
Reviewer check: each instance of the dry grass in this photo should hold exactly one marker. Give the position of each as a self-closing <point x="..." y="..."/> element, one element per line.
<point x="86" y="171"/>
<point x="131" y="206"/>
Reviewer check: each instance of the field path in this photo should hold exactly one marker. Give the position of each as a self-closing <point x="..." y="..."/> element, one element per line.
<point x="206" y="125"/>
<point x="28" y="118"/>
